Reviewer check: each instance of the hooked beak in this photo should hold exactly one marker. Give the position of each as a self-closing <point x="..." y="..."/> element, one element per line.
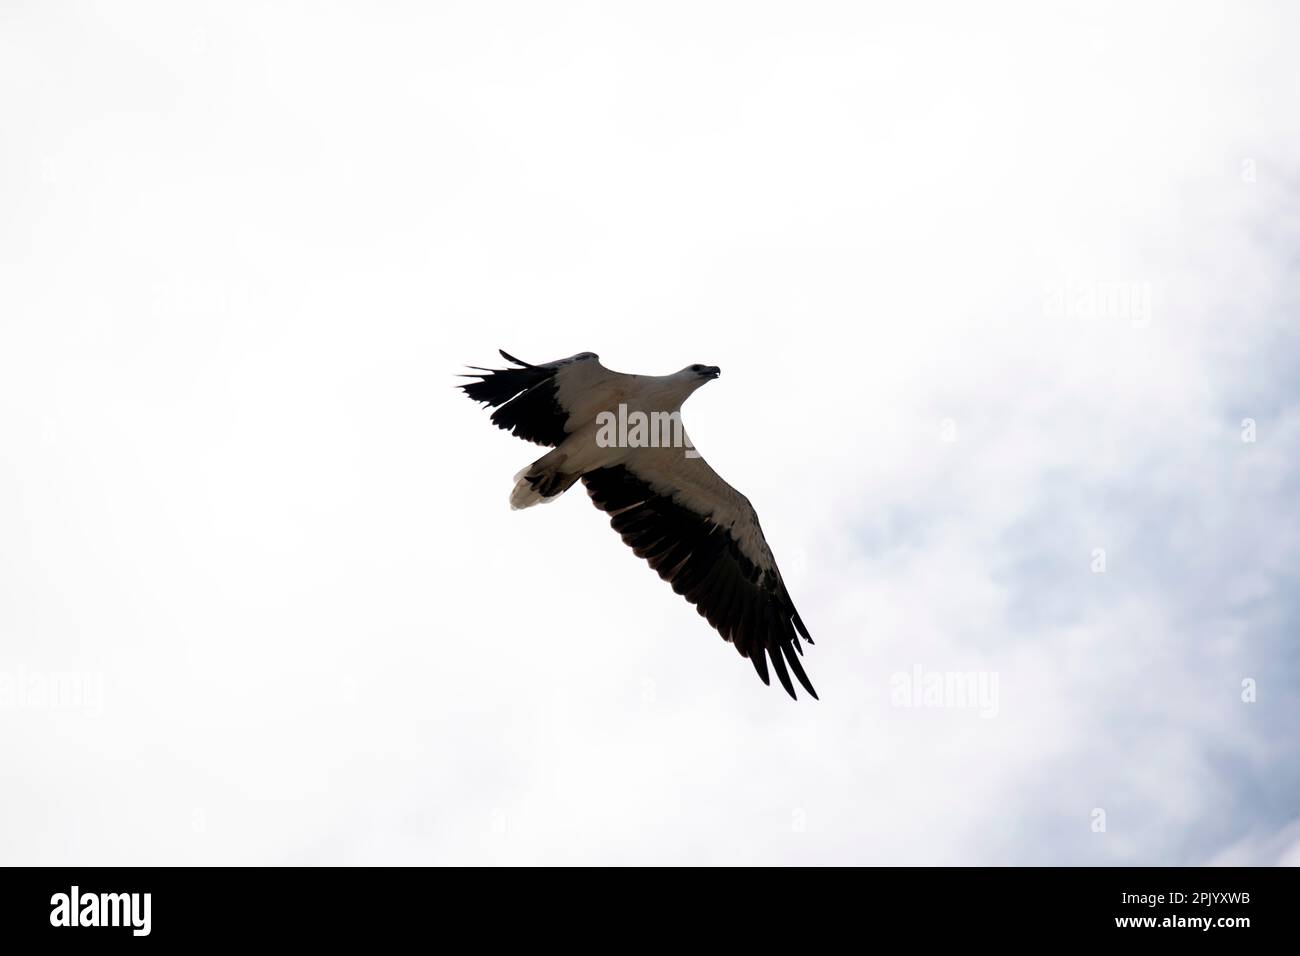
<point x="711" y="372"/>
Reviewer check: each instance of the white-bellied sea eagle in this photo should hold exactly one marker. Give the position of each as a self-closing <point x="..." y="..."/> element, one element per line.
<point x="621" y="435"/>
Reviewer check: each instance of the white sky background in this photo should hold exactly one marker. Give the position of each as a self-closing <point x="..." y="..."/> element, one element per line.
<point x="243" y="253"/>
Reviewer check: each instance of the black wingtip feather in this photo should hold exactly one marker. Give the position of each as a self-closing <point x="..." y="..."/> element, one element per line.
<point x="510" y="358"/>
<point x="798" y="671"/>
<point x="783" y="675"/>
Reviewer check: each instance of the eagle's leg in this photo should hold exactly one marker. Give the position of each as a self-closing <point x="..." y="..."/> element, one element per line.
<point x="542" y="481"/>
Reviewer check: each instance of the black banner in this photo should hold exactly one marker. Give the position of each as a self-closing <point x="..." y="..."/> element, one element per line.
<point x="1147" y="906"/>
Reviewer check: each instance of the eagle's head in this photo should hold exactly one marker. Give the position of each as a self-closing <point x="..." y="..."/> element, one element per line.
<point x="681" y="385"/>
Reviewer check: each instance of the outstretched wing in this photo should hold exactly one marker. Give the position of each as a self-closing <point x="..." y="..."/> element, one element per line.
<point x="536" y="402"/>
<point x="703" y="537"/>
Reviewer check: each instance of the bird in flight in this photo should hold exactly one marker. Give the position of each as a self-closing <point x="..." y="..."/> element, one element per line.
<point x="621" y="436"/>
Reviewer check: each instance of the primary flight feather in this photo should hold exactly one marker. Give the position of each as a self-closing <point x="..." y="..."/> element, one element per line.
<point x="669" y="506"/>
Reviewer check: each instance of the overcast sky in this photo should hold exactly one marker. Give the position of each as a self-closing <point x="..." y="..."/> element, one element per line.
<point x="1005" y="304"/>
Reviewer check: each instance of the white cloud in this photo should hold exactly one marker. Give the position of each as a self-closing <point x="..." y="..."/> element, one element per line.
<point x="244" y="256"/>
